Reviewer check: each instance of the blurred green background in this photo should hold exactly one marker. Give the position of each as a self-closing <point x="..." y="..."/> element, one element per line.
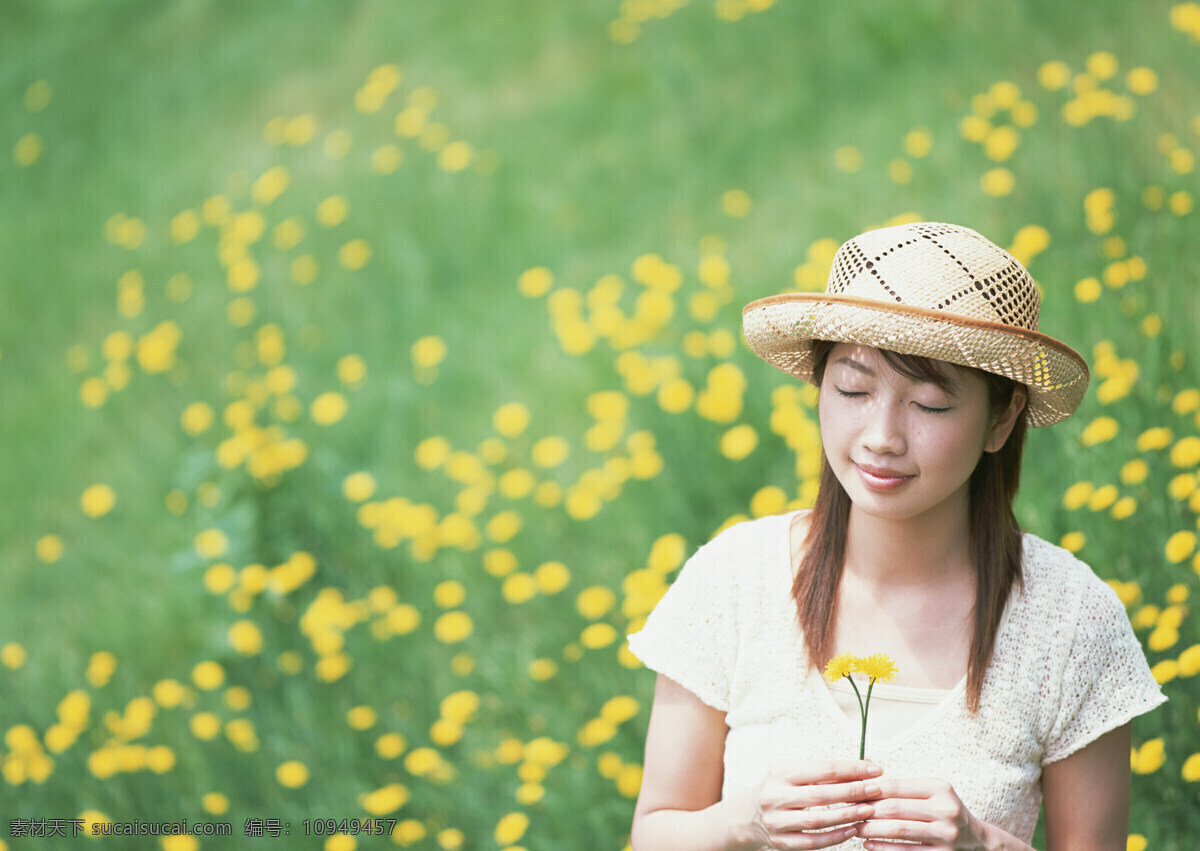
<point x="369" y="368"/>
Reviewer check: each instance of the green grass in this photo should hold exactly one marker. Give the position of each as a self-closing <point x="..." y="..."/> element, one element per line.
<point x="605" y="152"/>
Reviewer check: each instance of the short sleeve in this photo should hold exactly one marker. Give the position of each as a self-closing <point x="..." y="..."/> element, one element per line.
<point x="1106" y="681"/>
<point x="691" y="635"/>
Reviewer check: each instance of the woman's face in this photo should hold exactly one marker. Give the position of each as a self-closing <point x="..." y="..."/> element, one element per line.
<point x="903" y="448"/>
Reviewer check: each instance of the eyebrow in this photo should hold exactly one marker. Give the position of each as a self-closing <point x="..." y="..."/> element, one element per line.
<point x="853" y="364"/>
<point x="947" y="383"/>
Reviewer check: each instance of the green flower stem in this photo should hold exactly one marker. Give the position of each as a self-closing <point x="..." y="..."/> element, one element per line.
<point x="862" y="744"/>
<point x="862" y="710"/>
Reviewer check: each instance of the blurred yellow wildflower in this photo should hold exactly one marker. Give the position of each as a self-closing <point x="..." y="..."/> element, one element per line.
<point x="453" y="627"/>
<point x="1148" y="758"/>
<point x="535" y="282"/>
<point x="12" y="655"/>
<point x="511" y="828"/>
<point x="292" y="774"/>
<point x="739" y="442"/>
<point x="997" y="182"/>
<point x="97" y="500"/>
<point x="328" y="408"/>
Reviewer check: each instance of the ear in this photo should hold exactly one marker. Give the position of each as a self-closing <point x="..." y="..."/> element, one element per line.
<point x="1003" y="424"/>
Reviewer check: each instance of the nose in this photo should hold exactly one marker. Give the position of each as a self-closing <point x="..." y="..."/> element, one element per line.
<point x="883" y="432"/>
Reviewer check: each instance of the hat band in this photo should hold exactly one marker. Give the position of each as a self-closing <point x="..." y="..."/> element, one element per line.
<point x="923" y="313"/>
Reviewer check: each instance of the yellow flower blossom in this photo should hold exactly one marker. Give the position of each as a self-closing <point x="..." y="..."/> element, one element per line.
<point x="841" y="665"/>
<point x="878" y="667"/>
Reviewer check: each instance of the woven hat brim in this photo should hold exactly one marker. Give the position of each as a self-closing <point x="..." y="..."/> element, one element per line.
<point x="780" y="329"/>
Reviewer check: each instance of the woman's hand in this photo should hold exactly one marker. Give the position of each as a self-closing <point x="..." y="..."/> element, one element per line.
<point x="816" y="805"/>
<point x="927" y="811"/>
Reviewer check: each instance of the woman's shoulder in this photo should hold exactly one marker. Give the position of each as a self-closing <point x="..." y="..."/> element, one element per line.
<point x="745" y="536"/>
<point x="1054" y="580"/>
<point x="1051" y="569"/>
<point x="748" y="552"/>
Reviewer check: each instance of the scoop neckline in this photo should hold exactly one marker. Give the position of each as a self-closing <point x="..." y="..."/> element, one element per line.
<point x="951" y="698"/>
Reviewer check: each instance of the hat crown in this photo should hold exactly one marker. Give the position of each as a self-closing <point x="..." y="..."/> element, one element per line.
<point x="941" y="267"/>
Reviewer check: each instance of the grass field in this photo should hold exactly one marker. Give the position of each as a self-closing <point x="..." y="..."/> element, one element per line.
<point x="369" y="368"/>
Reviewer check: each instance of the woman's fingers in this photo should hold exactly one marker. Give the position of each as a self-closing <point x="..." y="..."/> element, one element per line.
<point x="937" y="834"/>
<point x="805" y="841"/>
<point x="788" y="821"/>
<point x="833" y="771"/>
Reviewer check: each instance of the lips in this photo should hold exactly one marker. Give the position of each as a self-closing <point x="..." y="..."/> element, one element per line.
<point x="882" y="478"/>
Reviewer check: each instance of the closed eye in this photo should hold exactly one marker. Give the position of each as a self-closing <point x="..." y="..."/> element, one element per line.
<point x="930" y="410"/>
<point x="849" y="394"/>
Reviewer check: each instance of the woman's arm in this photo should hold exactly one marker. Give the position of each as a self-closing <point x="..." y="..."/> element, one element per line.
<point x="684" y="766"/>
<point x="1086" y="795"/>
<point x="680" y="806"/>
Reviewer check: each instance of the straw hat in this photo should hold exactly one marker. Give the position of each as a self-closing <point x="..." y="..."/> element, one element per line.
<point x="936" y="290"/>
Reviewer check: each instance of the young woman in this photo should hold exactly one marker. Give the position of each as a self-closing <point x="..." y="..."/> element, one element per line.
<point x="1018" y="671"/>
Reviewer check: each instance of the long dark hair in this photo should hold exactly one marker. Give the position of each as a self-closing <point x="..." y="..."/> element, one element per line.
<point x="995" y="537"/>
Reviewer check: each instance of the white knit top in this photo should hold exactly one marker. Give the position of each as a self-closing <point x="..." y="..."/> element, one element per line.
<point x="1066" y="669"/>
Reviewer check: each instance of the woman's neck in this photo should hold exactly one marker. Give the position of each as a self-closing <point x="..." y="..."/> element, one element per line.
<point x="925" y="551"/>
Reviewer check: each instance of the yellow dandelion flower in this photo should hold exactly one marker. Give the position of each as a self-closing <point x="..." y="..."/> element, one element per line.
<point x="768" y="500"/>
<point x="535" y="282"/>
<point x="511" y="828"/>
<point x="355" y="254"/>
<point x="1073" y="541"/>
<point x="1135" y="472"/>
<point x="214" y="803"/>
<point x="1154" y="438"/>
<point x="594" y="602"/>
<point x="541" y="670"/>
<point x="449" y="594"/>
<point x="205" y="726"/>
<point x="211" y="543"/>
<point x="519" y="588"/>
<point x="839" y="666"/>
<point x="292" y="774"/>
<point x="328" y="408"/>
<point x="997" y="182"/>
<point x="245" y="637"/>
<point x="1180" y="546"/>
<point x="629" y="781"/>
<point x="620" y="709"/>
<point x="736" y="203"/>
<point x="12" y="655"/>
<point x="739" y="442"/>
<point x="598" y="635"/>
<point x="238" y="698"/>
<point x="552" y="577"/>
<point x="1189" y="661"/>
<point x="361" y="718"/>
<point x="97" y="500"/>
<point x="848" y="159"/>
<point x="878" y="667"/>
<point x="37" y="96"/>
<point x="208" y="675"/>
<point x="358" y="487"/>
<point x="28" y="150"/>
<point x="385" y="800"/>
<point x="48" y="549"/>
<point x="386" y="159"/>
<point x="429" y="351"/>
<point x="390" y="745"/>
<point x="453" y="627"/>
<point x="550" y="451"/>
<point x="1191" y="768"/>
<point x="1124" y="507"/>
<point x="504" y="526"/>
<point x="455" y="157"/>
<point x="1103" y="498"/>
<point x="1149" y="757"/>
